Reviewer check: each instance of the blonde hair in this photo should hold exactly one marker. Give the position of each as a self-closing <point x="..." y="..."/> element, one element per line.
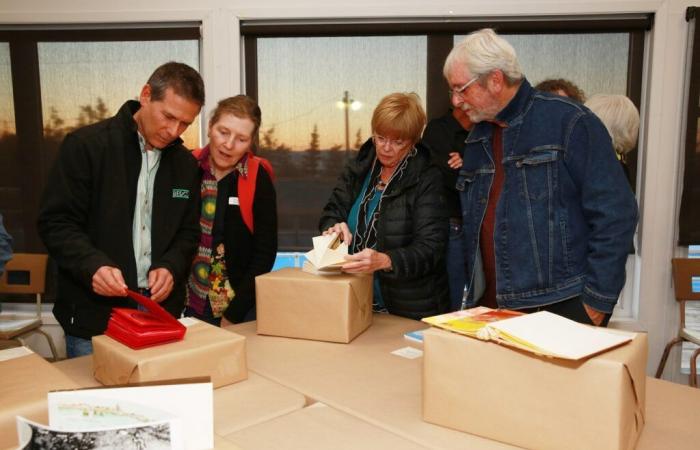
<point x="242" y="107"/>
<point x="482" y="52"/>
<point x="620" y="117"/>
<point x="401" y="114"/>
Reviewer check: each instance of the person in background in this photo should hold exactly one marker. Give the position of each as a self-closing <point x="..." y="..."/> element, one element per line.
<point x="445" y="137"/>
<point x="5" y="247"/>
<point x="238" y="219"/>
<point x="560" y="86"/>
<point x="120" y="207"/>
<point x="388" y="207"/>
<point x="621" y="118"/>
<point x="545" y="205"/>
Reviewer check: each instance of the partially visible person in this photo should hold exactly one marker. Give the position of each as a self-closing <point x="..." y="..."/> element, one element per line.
<point x="5" y="247"/>
<point x="388" y="206"/>
<point x="445" y="137"/>
<point x="545" y="205"/>
<point x="120" y="208"/>
<point x="562" y="87"/>
<point x="621" y="118"/>
<point x="238" y="219"/>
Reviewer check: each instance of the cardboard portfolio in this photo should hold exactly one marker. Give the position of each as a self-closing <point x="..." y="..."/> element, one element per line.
<point x="533" y="401"/>
<point x="296" y="304"/>
<point x="26" y="380"/>
<point x="206" y="350"/>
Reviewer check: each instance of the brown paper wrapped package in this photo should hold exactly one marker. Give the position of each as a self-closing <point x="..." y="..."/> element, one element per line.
<point x="293" y="303"/>
<point x="206" y="351"/>
<point x="535" y="402"/>
<point x="25" y="383"/>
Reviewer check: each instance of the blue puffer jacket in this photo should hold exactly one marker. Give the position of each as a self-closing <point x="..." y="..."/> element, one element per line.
<point x="566" y="214"/>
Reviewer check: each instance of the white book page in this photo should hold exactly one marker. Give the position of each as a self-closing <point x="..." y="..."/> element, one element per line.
<point x="558" y="336"/>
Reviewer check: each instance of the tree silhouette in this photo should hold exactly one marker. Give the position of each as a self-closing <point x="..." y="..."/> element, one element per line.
<point x="55" y="128"/>
<point x="268" y="139"/>
<point x="91" y="114"/>
<point x="358" y="139"/>
<point x="314" y="144"/>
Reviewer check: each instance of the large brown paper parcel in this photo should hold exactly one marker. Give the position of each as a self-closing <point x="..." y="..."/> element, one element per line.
<point x="535" y="402"/>
<point x="206" y="350"/>
<point x="296" y="304"/>
<point x="26" y="380"/>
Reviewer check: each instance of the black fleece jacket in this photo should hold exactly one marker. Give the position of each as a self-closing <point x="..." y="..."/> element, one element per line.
<point x="86" y="217"/>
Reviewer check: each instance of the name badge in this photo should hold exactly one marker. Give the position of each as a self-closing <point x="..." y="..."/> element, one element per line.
<point x="233" y="200"/>
<point x="181" y="193"/>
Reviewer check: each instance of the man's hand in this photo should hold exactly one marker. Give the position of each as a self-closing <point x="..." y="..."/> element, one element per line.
<point x="595" y="315"/>
<point x="109" y="282"/>
<point x="366" y="261"/>
<point x="160" y="282"/>
<point x="341" y="229"/>
<point x="455" y="161"/>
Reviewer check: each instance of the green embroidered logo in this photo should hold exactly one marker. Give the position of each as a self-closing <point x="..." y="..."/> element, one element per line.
<point x="181" y="193"/>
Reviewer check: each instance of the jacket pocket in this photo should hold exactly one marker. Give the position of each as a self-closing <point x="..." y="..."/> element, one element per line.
<point x="537" y="173"/>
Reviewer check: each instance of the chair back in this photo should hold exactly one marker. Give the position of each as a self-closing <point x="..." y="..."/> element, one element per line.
<point x="25" y="273"/>
<point x="684" y="269"/>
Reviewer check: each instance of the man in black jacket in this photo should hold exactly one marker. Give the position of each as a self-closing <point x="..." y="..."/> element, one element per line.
<point x="121" y="207"/>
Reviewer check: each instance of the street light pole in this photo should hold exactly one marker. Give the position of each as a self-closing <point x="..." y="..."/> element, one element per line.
<point x="346" y="106"/>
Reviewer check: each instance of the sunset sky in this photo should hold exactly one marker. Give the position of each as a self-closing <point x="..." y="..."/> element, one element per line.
<point x="301" y="80"/>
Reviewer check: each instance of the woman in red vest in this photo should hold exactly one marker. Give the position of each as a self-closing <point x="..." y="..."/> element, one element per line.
<point x="238" y="220"/>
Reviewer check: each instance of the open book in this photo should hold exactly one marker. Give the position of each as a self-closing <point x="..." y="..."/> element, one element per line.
<point x="327" y="256"/>
<point x="542" y="333"/>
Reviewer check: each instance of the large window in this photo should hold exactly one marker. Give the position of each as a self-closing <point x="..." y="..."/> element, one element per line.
<point x="317" y="95"/>
<point x="318" y="83"/>
<point x="53" y="81"/>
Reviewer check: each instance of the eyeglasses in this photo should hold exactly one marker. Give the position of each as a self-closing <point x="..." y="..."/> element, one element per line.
<point x="393" y="143"/>
<point x="461" y="90"/>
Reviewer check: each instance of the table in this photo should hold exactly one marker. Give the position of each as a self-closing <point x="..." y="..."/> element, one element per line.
<point x="362" y="378"/>
<point x="318" y="427"/>
<point x="365" y="380"/>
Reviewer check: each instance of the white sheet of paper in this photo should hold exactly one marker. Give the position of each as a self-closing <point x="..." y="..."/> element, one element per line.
<point x="188" y="321"/>
<point x="408" y="352"/>
<point x="188" y="407"/>
<point x="15" y="352"/>
<point x="560" y="336"/>
<point x="322" y="255"/>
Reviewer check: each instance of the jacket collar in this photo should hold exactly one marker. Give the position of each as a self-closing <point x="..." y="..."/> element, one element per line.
<point x="511" y="115"/>
<point x="365" y="157"/>
<point x="125" y="116"/>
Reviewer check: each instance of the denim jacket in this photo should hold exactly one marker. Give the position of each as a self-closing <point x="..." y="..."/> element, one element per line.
<point x="566" y="215"/>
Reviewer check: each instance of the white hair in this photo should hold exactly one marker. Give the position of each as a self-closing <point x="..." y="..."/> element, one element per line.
<point x="620" y="117"/>
<point x="482" y="52"/>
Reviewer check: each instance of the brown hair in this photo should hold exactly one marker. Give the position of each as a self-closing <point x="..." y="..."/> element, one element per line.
<point x="559" y="84"/>
<point x="181" y="78"/>
<point x="400" y="113"/>
<point x="242" y="107"/>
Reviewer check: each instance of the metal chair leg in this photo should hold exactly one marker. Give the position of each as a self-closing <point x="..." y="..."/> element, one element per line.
<point x="693" y="382"/>
<point x="664" y="357"/>
<point x="49" y="339"/>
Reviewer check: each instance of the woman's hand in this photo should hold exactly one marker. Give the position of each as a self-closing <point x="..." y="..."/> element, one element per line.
<point x="455" y="161"/>
<point x="341" y="229"/>
<point x="366" y="261"/>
